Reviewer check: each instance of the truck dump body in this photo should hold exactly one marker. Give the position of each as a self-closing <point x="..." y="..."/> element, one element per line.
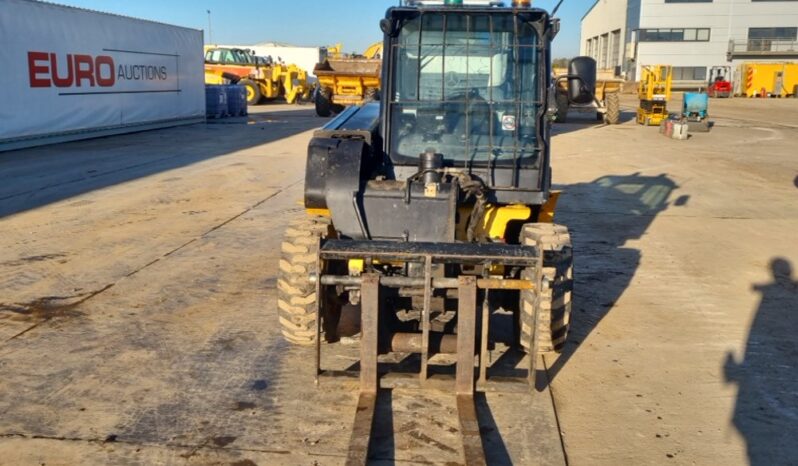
<point x="347" y="81"/>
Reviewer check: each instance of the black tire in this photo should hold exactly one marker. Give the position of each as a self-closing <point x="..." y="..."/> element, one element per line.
<point x="550" y="303"/>
<point x="372" y="94"/>
<point x="296" y="295"/>
<point x="253" y="91"/>
<point x="323" y="100"/>
<point x="562" y="108"/>
<point x="613" y="102"/>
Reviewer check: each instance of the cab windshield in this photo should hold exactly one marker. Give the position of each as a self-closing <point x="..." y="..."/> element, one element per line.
<point x="466" y="85"/>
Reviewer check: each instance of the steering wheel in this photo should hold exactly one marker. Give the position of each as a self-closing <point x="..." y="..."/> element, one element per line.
<point x="452" y="79"/>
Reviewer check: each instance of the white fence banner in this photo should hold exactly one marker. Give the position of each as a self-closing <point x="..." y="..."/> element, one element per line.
<point x="68" y="71"/>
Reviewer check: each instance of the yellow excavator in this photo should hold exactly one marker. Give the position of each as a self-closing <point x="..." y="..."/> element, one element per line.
<point x="345" y="80"/>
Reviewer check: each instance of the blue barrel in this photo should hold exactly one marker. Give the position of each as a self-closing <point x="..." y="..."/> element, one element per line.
<point x="236" y="100"/>
<point x="696" y="103"/>
<point x="215" y="101"/>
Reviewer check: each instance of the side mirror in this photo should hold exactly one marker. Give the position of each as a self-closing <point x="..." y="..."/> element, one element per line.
<point x="387" y="27"/>
<point x="581" y="80"/>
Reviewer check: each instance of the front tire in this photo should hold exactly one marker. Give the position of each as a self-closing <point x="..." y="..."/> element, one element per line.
<point x="613" y="115"/>
<point x="296" y="295"/>
<point x="253" y="91"/>
<point x="323" y="101"/>
<point x="551" y="300"/>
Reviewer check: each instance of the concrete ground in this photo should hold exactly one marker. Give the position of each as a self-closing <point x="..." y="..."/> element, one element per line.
<point x="138" y="317"/>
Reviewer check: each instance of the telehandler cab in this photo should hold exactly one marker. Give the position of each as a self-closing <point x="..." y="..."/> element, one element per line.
<point x="436" y="201"/>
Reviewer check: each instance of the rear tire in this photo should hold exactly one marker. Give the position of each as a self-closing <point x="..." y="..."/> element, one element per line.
<point x="613" y="115"/>
<point x="324" y="102"/>
<point x="552" y="300"/>
<point x="296" y="295"/>
<point x="253" y="91"/>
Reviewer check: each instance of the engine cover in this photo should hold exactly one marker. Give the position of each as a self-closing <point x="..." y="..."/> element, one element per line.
<point x="428" y="214"/>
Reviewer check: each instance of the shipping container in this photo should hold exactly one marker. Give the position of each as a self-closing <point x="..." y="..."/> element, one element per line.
<point x="70" y="73"/>
<point x="767" y="79"/>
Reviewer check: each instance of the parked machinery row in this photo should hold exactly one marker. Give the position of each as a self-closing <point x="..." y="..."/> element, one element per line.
<point x="263" y="78"/>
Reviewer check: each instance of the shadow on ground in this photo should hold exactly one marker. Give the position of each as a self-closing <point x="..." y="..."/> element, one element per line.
<point x="578" y="121"/>
<point x="766" y="412"/>
<point x="31" y="178"/>
<point x="603" y="216"/>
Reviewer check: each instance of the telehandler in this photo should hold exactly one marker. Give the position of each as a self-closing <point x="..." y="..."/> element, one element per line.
<point x="426" y="209"/>
<point x="262" y="78"/>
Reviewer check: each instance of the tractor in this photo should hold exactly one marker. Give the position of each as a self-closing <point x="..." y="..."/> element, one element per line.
<point x="431" y="208"/>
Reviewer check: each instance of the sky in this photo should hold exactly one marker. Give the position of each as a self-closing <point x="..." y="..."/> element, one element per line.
<point x="355" y="23"/>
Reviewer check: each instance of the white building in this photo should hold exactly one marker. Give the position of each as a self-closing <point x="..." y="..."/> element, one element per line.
<point x="691" y="35"/>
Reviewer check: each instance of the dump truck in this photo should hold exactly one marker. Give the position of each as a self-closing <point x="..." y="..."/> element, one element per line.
<point x="606" y="102"/>
<point x="345" y="80"/>
<point x="263" y="78"/>
<point x="432" y="210"/>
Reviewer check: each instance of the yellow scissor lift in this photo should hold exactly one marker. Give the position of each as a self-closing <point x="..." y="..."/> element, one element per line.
<point x="654" y="91"/>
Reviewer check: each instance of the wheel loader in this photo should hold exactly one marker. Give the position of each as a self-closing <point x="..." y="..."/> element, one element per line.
<point x="432" y="209"/>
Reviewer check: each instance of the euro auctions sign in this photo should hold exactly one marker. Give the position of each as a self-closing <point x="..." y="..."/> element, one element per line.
<point x="139" y="71"/>
<point x="68" y="71"/>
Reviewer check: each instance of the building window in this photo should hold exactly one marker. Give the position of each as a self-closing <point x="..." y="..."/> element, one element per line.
<point x="689" y="73"/>
<point x="616" y="48"/>
<point x="763" y="39"/>
<point x="604" y="49"/>
<point x="674" y="35"/>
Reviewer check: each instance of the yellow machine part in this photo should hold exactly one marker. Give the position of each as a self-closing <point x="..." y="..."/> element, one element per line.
<point x="335" y="51"/>
<point x="774" y="79"/>
<point x="349" y="90"/>
<point x="656" y="83"/>
<point x="547" y="211"/>
<point x="654" y="92"/>
<point x="318" y="212"/>
<point x="497" y="218"/>
<point x="494" y="223"/>
<point x="374" y="51"/>
<point x="294" y="81"/>
<point x="213" y="78"/>
<point x="653" y="115"/>
<point x="349" y="77"/>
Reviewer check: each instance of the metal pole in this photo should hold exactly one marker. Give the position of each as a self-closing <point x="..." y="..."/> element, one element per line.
<point x="210" y="34"/>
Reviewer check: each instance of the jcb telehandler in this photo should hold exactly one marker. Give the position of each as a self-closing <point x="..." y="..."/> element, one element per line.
<point x="427" y="208"/>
